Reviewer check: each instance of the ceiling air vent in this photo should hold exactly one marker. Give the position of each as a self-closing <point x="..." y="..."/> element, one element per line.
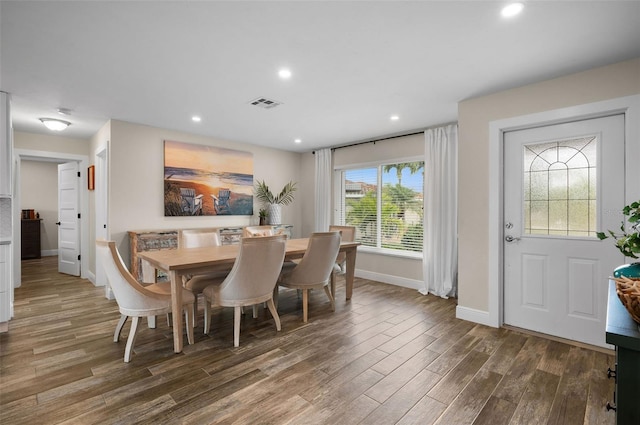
<point x="265" y="103"/>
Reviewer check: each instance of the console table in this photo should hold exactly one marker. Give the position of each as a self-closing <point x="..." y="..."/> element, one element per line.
<point x="624" y="333"/>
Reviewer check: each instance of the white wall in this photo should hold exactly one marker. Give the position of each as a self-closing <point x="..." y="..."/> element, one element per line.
<point x="136" y="185"/>
<point x="39" y="191"/>
<point x="609" y="82"/>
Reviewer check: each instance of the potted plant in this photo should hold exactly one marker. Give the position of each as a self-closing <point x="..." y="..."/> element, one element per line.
<point x="274" y="202"/>
<point x="263" y="214"/>
<point x="628" y="241"/>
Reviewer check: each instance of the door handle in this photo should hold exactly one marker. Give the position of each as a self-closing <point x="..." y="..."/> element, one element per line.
<point x="58" y="223"/>
<point x="510" y="238"/>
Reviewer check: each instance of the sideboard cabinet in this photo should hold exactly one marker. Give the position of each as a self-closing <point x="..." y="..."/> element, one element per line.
<point x="624" y="333"/>
<point x="30" y="238"/>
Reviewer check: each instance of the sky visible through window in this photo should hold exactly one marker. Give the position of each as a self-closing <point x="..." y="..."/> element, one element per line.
<point x="408" y="179"/>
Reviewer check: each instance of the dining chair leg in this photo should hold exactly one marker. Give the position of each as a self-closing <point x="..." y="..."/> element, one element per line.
<point x="333" y="284"/>
<point x="236" y="326"/>
<point x="188" y="321"/>
<point x="331" y="299"/>
<point x="305" y="305"/>
<point x="274" y="313"/>
<point x="132" y="338"/>
<point x="119" y="326"/>
<point x="255" y="311"/>
<point x="275" y="296"/>
<point x="151" y="321"/>
<point x="195" y="311"/>
<point x="207" y="315"/>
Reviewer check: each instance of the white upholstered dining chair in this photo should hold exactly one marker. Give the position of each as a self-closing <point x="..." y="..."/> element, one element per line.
<point x="197" y="238"/>
<point x="314" y="270"/>
<point x="250" y="281"/>
<point x="136" y="300"/>
<point x="257" y="231"/>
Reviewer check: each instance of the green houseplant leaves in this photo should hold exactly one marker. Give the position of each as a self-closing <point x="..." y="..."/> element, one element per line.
<point x="628" y="241"/>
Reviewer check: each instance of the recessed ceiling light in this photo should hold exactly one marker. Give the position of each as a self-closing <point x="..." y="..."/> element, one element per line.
<point x="284" y="73"/>
<point x="54" y="124"/>
<point x="394" y="118"/>
<point x="512" y="9"/>
<point x="298" y="141"/>
<point x="196" y="118"/>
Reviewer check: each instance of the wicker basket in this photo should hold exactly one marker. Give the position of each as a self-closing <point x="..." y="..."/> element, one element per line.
<point x="628" y="291"/>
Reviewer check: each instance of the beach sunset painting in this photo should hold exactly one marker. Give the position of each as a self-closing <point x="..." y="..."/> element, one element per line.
<point x="206" y="180"/>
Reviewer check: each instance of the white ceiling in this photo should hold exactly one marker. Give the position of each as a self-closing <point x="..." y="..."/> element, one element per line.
<point x="354" y="63"/>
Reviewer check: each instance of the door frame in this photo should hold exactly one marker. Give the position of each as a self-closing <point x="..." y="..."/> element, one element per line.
<point x="83" y="205"/>
<point x="629" y="106"/>
<point x="102" y="210"/>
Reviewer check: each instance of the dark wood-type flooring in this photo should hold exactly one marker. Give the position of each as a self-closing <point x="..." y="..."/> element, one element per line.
<point x="389" y="356"/>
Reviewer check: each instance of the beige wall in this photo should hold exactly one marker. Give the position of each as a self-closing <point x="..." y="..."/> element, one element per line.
<point x="39" y="191"/>
<point x="474" y="116"/>
<point x="136" y="189"/>
<point x="46" y="143"/>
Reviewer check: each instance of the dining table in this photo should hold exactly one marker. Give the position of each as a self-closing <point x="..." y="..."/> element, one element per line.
<point x="180" y="262"/>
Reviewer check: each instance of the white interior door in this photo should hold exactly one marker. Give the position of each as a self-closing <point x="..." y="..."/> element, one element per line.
<point x="562" y="184"/>
<point x="68" y="220"/>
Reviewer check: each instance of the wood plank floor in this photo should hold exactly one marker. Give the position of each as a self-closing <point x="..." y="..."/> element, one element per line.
<point x="390" y="356"/>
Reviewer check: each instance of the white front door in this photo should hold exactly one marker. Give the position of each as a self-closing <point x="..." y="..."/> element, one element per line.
<point x="68" y="220"/>
<point x="562" y="184"/>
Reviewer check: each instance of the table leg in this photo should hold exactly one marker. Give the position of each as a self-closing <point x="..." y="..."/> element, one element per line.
<point x="149" y="272"/>
<point x="350" y="272"/>
<point x="176" y="310"/>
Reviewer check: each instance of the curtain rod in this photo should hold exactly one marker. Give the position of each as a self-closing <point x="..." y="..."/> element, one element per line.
<point x="413" y="133"/>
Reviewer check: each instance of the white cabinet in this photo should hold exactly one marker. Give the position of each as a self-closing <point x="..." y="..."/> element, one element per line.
<point x="6" y="149"/>
<point x="6" y="153"/>
<point x="5" y="282"/>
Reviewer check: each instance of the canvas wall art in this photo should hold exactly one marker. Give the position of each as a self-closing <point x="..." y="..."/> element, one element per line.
<point x="206" y="180"/>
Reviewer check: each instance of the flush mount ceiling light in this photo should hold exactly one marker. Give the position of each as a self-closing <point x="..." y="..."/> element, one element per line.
<point x="512" y="9"/>
<point x="54" y="124"/>
<point x="284" y="73"/>
<point x="196" y="118"/>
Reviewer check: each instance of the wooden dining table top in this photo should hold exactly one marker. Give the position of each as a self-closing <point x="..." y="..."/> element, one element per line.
<point x="184" y="259"/>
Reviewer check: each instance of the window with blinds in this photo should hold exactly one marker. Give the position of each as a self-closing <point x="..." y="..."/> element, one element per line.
<point x="385" y="204"/>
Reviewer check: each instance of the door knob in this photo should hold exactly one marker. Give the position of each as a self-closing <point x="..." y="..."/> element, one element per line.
<point x="58" y="223"/>
<point x="510" y="238"/>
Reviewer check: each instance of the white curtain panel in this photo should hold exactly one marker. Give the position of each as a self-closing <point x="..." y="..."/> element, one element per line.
<point x="323" y="190"/>
<point x="440" y="259"/>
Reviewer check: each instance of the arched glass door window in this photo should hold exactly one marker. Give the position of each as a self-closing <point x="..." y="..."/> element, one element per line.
<point x="560" y="187"/>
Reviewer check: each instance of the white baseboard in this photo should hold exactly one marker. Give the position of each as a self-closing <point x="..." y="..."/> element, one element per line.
<point x="49" y="252"/>
<point x="473" y="315"/>
<point x="390" y="279"/>
<point x="91" y="277"/>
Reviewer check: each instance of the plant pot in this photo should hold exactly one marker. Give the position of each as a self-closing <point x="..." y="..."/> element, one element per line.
<point x="263" y="221"/>
<point x="632" y="271"/>
<point x="275" y="214"/>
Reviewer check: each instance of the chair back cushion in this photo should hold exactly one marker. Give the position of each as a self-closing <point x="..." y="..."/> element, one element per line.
<point x="196" y="238"/>
<point x="347" y="234"/>
<point x="257" y="231"/>
<point x="255" y="271"/>
<point x="317" y="263"/>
